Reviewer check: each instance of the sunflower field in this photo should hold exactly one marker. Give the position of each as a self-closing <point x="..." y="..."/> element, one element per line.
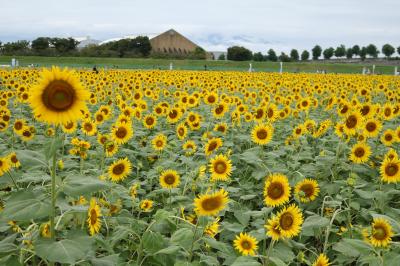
<point x="198" y="168"/>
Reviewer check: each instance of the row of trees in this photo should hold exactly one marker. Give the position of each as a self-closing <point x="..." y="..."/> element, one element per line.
<point x="238" y="53"/>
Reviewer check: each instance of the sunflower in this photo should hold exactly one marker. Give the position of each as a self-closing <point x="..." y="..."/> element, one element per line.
<point x="322" y="260"/>
<point x="220" y="110"/>
<point x="169" y="179"/>
<point x="390" y="170"/>
<point x="388" y="137"/>
<point x="89" y="127"/>
<point x="391" y="155"/>
<point x="27" y="133"/>
<point x="290" y="221"/>
<point x="93" y="220"/>
<point x="149" y="121"/>
<point x="212" y="229"/>
<point x="181" y="131"/>
<point x="111" y="148"/>
<point x="246" y="244"/>
<point x="372" y="127"/>
<point x="159" y="142"/>
<point x="189" y="147"/>
<point x="211" y="204"/>
<point x="133" y="190"/>
<point x="14" y="160"/>
<point x="262" y="134"/>
<point x="4" y="165"/>
<point x="121" y="133"/>
<point x="212" y="145"/>
<point x="381" y="233"/>
<point x="306" y="190"/>
<point x="174" y="115"/>
<point x="276" y="190"/>
<point x="220" y="168"/>
<point x="360" y="152"/>
<point x="146" y="205"/>
<point x="59" y="97"/>
<point x="221" y="127"/>
<point x="69" y="127"/>
<point x="120" y="169"/>
<point x="272" y="228"/>
<point x="45" y="230"/>
<point x="352" y="123"/>
<point x="19" y="126"/>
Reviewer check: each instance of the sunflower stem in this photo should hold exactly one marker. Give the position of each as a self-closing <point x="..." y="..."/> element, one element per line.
<point x="53" y="196"/>
<point x="271" y="245"/>
<point x="12" y="179"/>
<point x="194" y="240"/>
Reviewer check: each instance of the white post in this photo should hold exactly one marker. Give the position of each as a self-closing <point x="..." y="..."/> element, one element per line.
<point x="364" y="70"/>
<point x="281" y="68"/>
<point x="395" y="70"/>
<point x="171" y="66"/>
<point x="250" y="68"/>
<point x="13" y="62"/>
<point x="373" y="69"/>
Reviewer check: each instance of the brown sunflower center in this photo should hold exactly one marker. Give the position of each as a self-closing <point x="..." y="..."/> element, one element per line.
<point x="27" y="133"/>
<point x="308" y="189"/>
<point x="149" y="121"/>
<point x="219" y="109"/>
<point x="211" y="99"/>
<point x="391" y="169"/>
<point x="99" y="118"/>
<point x="344" y="109"/>
<point x="286" y="221"/>
<point x="88" y="127"/>
<point x="262" y="134"/>
<point x="270" y="113"/>
<point x="259" y="113"/>
<point x="18" y="125"/>
<point x="351" y="121"/>
<point x="359" y="152"/>
<point x="275" y="190"/>
<point x="121" y="132"/>
<point x="388" y="112"/>
<point x="379" y="233"/>
<point x="388" y="137"/>
<point x="118" y="169"/>
<point x="246" y="244"/>
<point x="159" y="143"/>
<point x="365" y="110"/>
<point x="181" y="131"/>
<point x="173" y="114"/>
<point x="371" y="126"/>
<point x="213" y="145"/>
<point x="69" y="125"/>
<point x="169" y="179"/>
<point x="211" y="204"/>
<point x="58" y="96"/>
<point x="220" y="167"/>
<point x="93" y="216"/>
<point x="14" y="159"/>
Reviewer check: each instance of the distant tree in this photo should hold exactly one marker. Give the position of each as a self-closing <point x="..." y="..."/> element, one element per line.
<point x="41" y="43"/>
<point x="388" y="50"/>
<point x="284" y="57"/>
<point x="349" y="53"/>
<point x="294" y="55"/>
<point x="372" y="50"/>
<point x="198" y="53"/>
<point x="239" y="53"/>
<point x="340" y="51"/>
<point x="221" y="57"/>
<point x="316" y="52"/>
<point x="20" y="47"/>
<point x="328" y="53"/>
<point x="272" y="55"/>
<point x="363" y="53"/>
<point x="356" y="49"/>
<point x="398" y="50"/>
<point x="305" y="55"/>
<point x="64" y="45"/>
<point x="142" y="45"/>
<point x="258" y="57"/>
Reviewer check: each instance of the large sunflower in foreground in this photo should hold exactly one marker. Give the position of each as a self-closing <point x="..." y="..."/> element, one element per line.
<point x="59" y="97"/>
<point x="360" y="153"/>
<point x="246" y="244"/>
<point x="390" y="170"/>
<point x="120" y="169"/>
<point x="220" y="168"/>
<point x="290" y="221"/>
<point x="169" y="179"/>
<point x="211" y="204"/>
<point x="306" y="190"/>
<point x="322" y="260"/>
<point x="262" y="134"/>
<point x="276" y="190"/>
<point x="93" y="219"/>
<point x="381" y="233"/>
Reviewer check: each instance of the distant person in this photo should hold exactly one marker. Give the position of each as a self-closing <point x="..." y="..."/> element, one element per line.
<point x="95" y="70"/>
<point x="205" y="67"/>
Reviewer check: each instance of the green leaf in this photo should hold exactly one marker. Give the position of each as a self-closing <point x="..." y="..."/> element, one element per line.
<point x="168" y="250"/>
<point x="51" y="146"/>
<point x="242" y="216"/>
<point x="63" y="251"/>
<point x="313" y="222"/>
<point x="82" y="185"/>
<point x="24" y="206"/>
<point x="245" y="261"/>
<point x="277" y="261"/>
<point x="106" y="261"/>
<point x="152" y="241"/>
<point x="183" y="237"/>
<point x="223" y="247"/>
<point x="352" y="247"/>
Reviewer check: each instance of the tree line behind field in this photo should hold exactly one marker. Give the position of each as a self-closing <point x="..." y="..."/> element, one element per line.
<point x="239" y="53"/>
<point x="140" y="47"/>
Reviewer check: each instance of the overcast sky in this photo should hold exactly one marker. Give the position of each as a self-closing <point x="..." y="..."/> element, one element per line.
<point x="212" y="24"/>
